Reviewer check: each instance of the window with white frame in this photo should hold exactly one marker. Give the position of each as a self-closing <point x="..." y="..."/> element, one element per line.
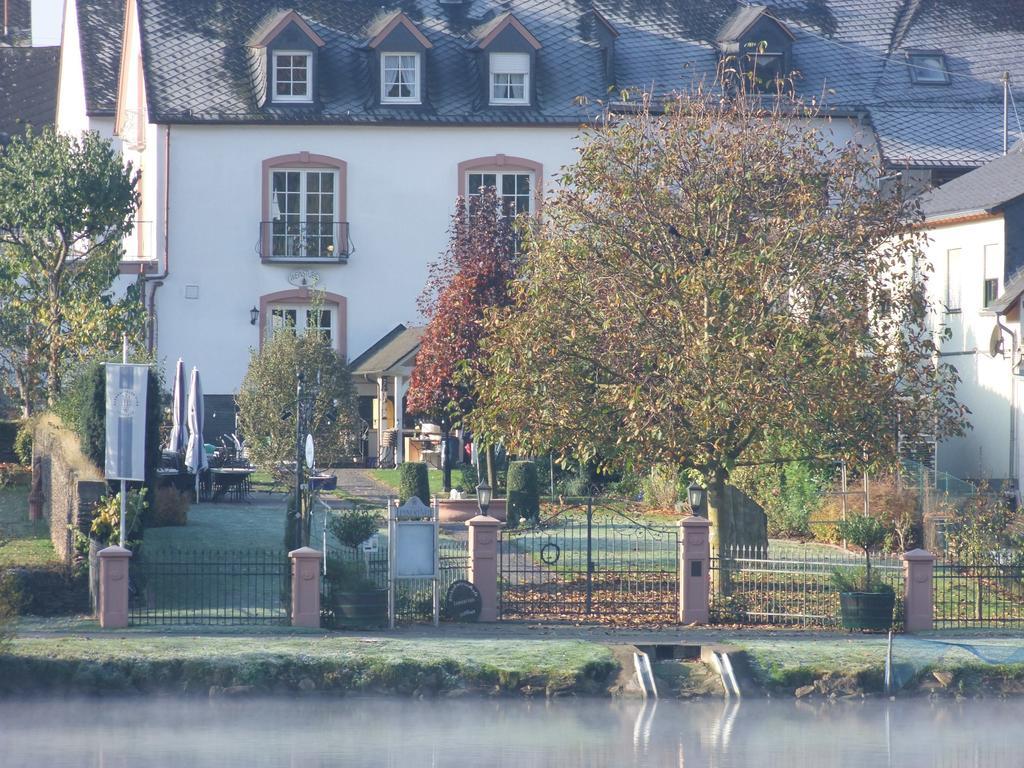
<point x="400" y="78"/>
<point x="514" y="189"/>
<point x="953" y="259"/>
<point x="298" y="318"/>
<point x="292" y="76"/>
<point x="993" y="268"/>
<point x="510" y="78"/>
<point x="304" y="214"/>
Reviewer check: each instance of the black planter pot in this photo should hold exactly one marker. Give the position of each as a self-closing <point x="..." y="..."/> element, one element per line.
<point x="366" y="608"/>
<point x="867" y="610"/>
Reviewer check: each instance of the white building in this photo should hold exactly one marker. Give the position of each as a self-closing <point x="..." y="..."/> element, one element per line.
<point x="975" y="226"/>
<point x="324" y="144"/>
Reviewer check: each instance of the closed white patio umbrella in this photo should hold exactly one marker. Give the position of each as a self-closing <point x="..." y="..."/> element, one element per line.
<point x="195" y="451"/>
<point x="179" y="436"/>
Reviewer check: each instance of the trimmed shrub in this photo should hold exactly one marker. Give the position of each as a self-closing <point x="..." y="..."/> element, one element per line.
<point x="352" y="527"/>
<point x="412" y="481"/>
<point x="50" y="590"/>
<point x="523" y="495"/>
<point x="170" y="508"/>
<point x="23" y="443"/>
<point x="468" y="479"/>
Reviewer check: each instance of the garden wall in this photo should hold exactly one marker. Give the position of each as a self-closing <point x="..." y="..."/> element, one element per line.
<point x="71" y="484"/>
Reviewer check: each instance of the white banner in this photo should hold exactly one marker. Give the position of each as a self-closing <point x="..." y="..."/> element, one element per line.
<point x="126" y="421"/>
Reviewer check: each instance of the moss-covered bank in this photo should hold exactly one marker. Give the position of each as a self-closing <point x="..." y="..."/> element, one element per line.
<point x="340" y="665"/>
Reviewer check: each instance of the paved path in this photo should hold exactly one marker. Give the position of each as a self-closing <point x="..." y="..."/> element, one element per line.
<point x="359" y="483"/>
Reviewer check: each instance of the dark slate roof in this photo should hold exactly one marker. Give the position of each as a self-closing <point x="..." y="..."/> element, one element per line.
<point x="394" y="347"/>
<point x="1008" y="298"/>
<point x="850" y="55"/>
<point x="19" y="22"/>
<point x="984" y="189"/>
<point x="100" y="26"/>
<point x="28" y="88"/>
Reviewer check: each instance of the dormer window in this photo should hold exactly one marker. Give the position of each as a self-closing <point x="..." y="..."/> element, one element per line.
<point x="756" y="47"/>
<point x="400" y="78"/>
<point x="928" y="67"/>
<point x="283" y="60"/>
<point x="510" y="78"/>
<point x="292" y="76"/>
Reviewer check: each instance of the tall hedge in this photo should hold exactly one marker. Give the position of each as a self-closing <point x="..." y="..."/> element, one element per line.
<point x="83" y="408"/>
<point x="523" y="495"/>
<point x="412" y="481"/>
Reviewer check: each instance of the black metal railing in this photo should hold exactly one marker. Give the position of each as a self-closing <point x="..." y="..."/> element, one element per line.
<point x="978" y="595"/>
<point x="753" y="585"/>
<point x="310" y="239"/>
<point x="601" y="566"/>
<point x="210" y="587"/>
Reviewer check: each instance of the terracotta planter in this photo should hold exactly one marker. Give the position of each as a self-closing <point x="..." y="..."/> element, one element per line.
<point x="461" y="510"/>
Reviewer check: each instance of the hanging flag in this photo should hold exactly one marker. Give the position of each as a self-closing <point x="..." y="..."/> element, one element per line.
<point x="126" y="421"/>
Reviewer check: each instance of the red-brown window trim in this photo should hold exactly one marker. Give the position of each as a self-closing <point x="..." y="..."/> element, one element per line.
<point x="303" y="160"/>
<point x="505" y="163"/>
<point x="300" y="295"/>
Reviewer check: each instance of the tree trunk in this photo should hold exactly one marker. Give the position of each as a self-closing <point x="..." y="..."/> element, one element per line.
<point x="492" y="475"/>
<point x="446" y="457"/>
<point x="723" y="534"/>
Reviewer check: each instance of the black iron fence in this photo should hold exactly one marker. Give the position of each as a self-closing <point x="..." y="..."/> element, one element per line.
<point x="310" y="239"/>
<point x="753" y="585"/>
<point x="601" y="566"/>
<point x="981" y="594"/>
<point x="209" y="587"/>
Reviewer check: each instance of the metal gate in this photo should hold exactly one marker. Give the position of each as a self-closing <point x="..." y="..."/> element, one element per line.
<point x="598" y="564"/>
<point x="210" y="587"/>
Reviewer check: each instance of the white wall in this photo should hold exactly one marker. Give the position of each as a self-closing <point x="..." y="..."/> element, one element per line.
<point x="71" y="111"/>
<point x="987" y="384"/>
<point x="46" y="22"/>
<point x="402" y="182"/>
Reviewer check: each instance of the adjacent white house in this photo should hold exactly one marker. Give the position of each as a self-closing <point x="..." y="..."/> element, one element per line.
<point x="287" y="148"/>
<point x="975" y="226"/>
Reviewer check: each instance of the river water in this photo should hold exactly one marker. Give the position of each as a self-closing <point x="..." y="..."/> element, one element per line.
<point x="311" y="732"/>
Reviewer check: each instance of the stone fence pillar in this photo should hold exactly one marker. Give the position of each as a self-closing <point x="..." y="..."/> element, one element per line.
<point x="918" y="592"/>
<point x="694" y="570"/>
<point x="483" y="563"/>
<point x="114" y="587"/>
<point x="306" y="587"/>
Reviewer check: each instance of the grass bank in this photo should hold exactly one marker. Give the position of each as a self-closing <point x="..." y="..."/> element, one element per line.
<point x="311" y="662"/>
<point x="23" y="542"/>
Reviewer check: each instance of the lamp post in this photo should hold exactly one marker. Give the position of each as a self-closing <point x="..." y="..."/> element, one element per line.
<point x="696" y="495"/>
<point x="483" y="496"/>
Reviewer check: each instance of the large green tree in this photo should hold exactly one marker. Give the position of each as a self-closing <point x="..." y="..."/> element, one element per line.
<point x="706" y="279"/>
<point x="65" y="205"/>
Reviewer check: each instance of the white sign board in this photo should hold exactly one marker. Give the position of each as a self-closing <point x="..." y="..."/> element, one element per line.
<point x="309" y="451"/>
<point x="415" y="546"/>
<point x="126" y="421"/>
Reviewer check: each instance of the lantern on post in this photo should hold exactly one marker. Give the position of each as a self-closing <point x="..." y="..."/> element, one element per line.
<point x="696" y="496"/>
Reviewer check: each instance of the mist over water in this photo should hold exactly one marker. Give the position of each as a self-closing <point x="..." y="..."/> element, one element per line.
<point x="313" y="732"/>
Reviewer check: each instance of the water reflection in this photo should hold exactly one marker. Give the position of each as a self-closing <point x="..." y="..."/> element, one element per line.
<point x="314" y="732"/>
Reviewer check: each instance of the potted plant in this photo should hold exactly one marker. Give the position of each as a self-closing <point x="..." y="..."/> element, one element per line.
<point x="355" y="598"/>
<point x="865" y="601"/>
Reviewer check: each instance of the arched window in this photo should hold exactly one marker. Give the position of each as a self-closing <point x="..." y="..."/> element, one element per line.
<point x="303" y="205"/>
<point x="517" y="181"/>
<point x="300" y="310"/>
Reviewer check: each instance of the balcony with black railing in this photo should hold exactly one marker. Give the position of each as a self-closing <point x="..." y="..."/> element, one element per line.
<point x="310" y="240"/>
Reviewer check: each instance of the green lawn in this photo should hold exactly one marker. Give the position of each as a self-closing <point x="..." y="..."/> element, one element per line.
<point x="22" y="541"/>
<point x="390" y="478"/>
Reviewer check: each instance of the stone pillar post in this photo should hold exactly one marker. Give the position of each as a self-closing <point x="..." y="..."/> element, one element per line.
<point x="483" y="563"/>
<point x="305" y="587"/>
<point x="114" y="587"/>
<point x="918" y="595"/>
<point x="694" y="570"/>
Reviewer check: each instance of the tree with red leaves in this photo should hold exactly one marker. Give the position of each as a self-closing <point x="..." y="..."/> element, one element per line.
<point x="471" y="277"/>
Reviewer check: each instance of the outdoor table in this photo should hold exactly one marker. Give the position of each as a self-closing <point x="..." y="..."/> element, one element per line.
<point x="233" y="480"/>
